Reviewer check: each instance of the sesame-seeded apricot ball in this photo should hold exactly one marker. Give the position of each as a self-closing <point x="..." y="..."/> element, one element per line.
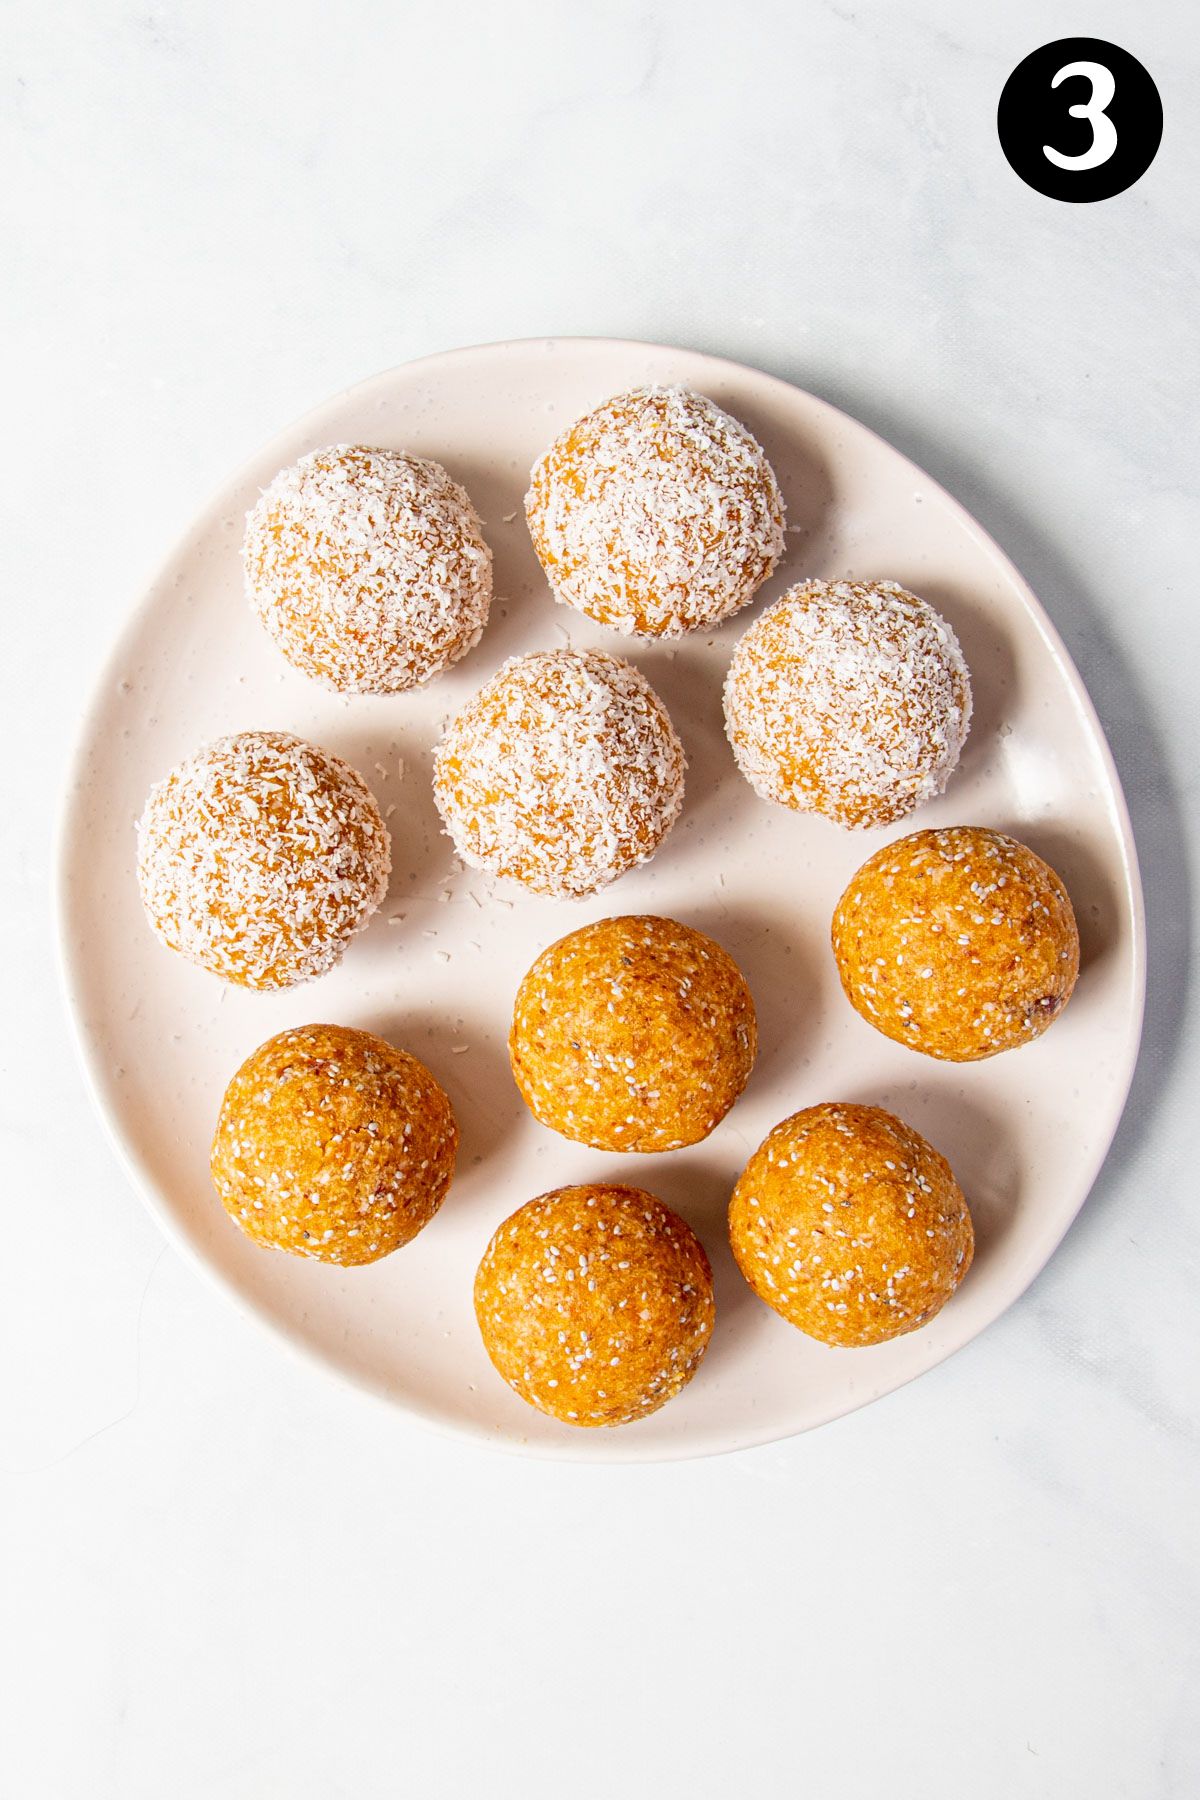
<point x="850" y="1225"/>
<point x="633" y="1034"/>
<point x="959" y="943"/>
<point x="332" y="1143"/>
<point x="595" y="1303"/>
<point x="657" y="513"/>
<point x="368" y="568"/>
<point x="259" y="858"/>
<point x="849" y="699"/>
<point x="562" y="772"/>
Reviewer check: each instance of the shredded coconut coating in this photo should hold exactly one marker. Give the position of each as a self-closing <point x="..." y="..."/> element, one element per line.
<point x="959" y="943"/>
<point x="633" y="1034"/>
<point x="332" y="1143"/>
<point x="656" y="513"/>
<point x="562" y="772"/>
<point x="368" y="568"/>
<point x="850" y="1225"/>
<point x="259" y="858"/>
<point x="595" y="1303"/>
<point x="850" y="699"/>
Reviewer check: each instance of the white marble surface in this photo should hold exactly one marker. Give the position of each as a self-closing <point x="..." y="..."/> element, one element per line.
<point x="227" y="1578"/>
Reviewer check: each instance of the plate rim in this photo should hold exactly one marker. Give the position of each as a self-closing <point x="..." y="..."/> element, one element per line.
<point x="619" y="1449"/>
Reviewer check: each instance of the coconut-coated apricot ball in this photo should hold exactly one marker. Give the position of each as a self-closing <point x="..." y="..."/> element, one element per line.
<point x="959" y="943"/>
<point x="260" y="857"/>
<point x="595" y="1303"/>
<point x="656" y="513"/>
<point x="334" y="1144"/>
<point x="850" y="1225"/>
<point x="849" y="699"/>
<point x="634" y="1033"/>
<point x="368" y="568"/>
<point x="563" y="772"/>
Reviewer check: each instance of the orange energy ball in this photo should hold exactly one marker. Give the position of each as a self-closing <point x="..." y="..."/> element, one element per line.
<point x="657" y="513"/>
<point x="850" y="1225"/>
<point x="633" y="1034"/>
<point x="595" y="1303"/>
<point x="260" y="857"/>
<point x="563" y="772"/>
<point x="959" y="943"/>
<point x="849" y="699"/>
<point x="368" y="568"/>
<point x="334" y="1144"/>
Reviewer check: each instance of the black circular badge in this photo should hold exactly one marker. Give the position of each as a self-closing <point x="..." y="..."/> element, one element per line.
<point x="1080" y="119"/>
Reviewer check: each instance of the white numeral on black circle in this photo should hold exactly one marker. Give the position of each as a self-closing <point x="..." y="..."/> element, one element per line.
<point x="1104" y="132"/>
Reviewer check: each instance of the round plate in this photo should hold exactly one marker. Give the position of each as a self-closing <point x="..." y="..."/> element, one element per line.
<point x="438" y="968"/>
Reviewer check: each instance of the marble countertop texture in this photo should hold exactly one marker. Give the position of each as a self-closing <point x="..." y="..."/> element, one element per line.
<point x="227" y="1578"/>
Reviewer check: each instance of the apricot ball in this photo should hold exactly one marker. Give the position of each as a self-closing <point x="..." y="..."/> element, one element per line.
<point x="850" y="699"/>
<point x="595" y="1303"/>
<point x="332" y="1143"/>
<point x="959" y="943"/>
<point x="368" y="568"/>
<point x="260" y="857"/>
<point x="850" y="1225"/>
<point x="633" y="1034"/>
<point x="656" y="513"/>
<point x="563" y="772"/>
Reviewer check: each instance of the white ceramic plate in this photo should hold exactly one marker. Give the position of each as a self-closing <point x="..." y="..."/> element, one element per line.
<point x="437" y="970"/>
